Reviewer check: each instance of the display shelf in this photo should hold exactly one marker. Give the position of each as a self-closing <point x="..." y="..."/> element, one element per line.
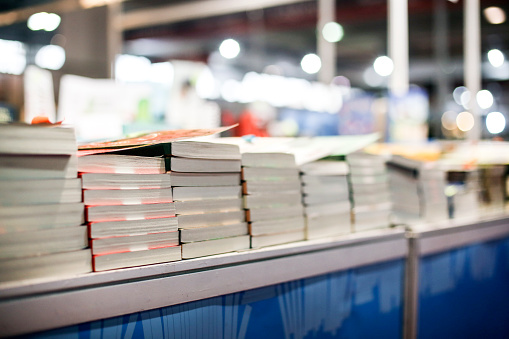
<point x="28" y="307"/>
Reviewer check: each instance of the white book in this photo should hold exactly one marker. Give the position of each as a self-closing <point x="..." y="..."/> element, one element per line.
<point x="205" y="179"/>
<point x="178" y="164"/>
<point x="213" y="232"/>
<point x="17" y="138"/>
<point x="129" y="212"/>
<point x="272" y="213"/>
<point x="212" y="247"/>
<point x="57" y="265"/>
<point x="208" y="206"/>
<point x="322" y="179"/>
<point x="125" y="181"/>
<point x="277" y="239"/>
<point x="269" y="174"/>
<point x="327" y="209"/>
<point x="269" y="159"/>
<point x="276" y="226"/>
<point x="127" y="196"/>
<point x="328" y="226"/>
<point x="34" y="217"/>
<point x="137" y="258"/>
<point x="132" y="243"/>
<point x="132" y="227"/>
<point x="210" y="219"/>
<point x="119" y="163"/>
<point x="275" y="199"/>
<point x="318" y="199"/>
<point x="200" y="193"/>
<point x="34" y="166"/>
<point x="44" y="191"/>
<point x="261" y="186"/>
<point x="340" y="188"/>
<point x="325" y="167"/>
<point x="31" y="243"/>
<point x="205" y="150"/>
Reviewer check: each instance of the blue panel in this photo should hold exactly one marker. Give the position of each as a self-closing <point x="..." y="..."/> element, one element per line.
<point x="360" y="303"/>
<point x="465" y="293"/>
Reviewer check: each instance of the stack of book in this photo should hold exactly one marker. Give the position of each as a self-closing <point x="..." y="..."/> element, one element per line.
<point x="326" y="198"/>
<point x="272" y="198"/>
<point x="418" y="190"/>
<point x="493" y="188"/>
<point x="129" y="210"/>
<point x="42" y="231"/>
<point x="208" y="197"/>
<point x="463" y="193"/>
<point x="370" y="194"/>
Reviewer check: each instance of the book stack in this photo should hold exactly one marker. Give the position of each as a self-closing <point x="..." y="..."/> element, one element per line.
<point x="370" y="194"/>
<point x="129" y="210"/>
<point x="463" y="193"/>
<point x="272" y="198"/>
<point x="42" y="231"/>
<point x="208" y="197"/>
<point x="326" y="198"/>
<point x="418" y="190"/>
<point x="493" y="188"/>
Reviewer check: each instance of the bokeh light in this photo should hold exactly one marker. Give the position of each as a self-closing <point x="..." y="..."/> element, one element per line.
<point x="495" y="122"/>
<point x="311" y="63"/>
<point x="229" y="49"/>
<point x="465" y="121"/>
<point x="383" y="66"/>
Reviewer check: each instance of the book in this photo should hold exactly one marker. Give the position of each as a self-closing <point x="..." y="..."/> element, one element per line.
<point x="215" y="232"/>
<point x="275" y="199"/>
<point x="178" y="164"/>
<point x="125" y="181"/>
<point x="129" y="212"/>
<point x="210" y="219"/>
<point x="340" y="188"/>
<point x="121" y="228"/>
<point x="32" y="243"/>
<point x="325" y="167"/>
<point x="127" y="196"/>
<point x="339" y="207"/>
<point x="217" y="246"/>
<point x="255" y="187"/>
<point x="57" y="265"/>
<point x="136" y="258"/>
<point x="269" y="174"/>
<point x="38" y="166"/>
<point x="44" y="216"/>
<point x="208" y="206"/>
<point x="277" y="238"/>
<point x="212" y="192"/>
<point x="116" y="163"/>
<point x="317" y="199"/>
<point x="205" y="179"/>
<point x="328" y="225"/>
<point x="18" y="138"/>
<point x="259" y="214"/>
<point x="31" y="192"/>
<point x="295" y="223"/>
<point x="133" y="243"/>
<point x="269" y="159"/>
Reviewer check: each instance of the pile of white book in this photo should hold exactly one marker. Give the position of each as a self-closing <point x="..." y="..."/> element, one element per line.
<point x="463" y="193"/>
<point x="326" y="198"/>
<point x="418" y="190"/>
<point x="493" y="188"/>
<point x="272" y="198"/>
<point x="208" y="198"/>
<point x="42" y="231"/>
<point x="129" y="210"/>
<point x="370" y="194"/>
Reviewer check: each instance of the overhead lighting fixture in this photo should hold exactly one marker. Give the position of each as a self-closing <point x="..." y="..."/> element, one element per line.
<point x="496" y="58"/>
<point x="494" y="15"/>
<point x="229" y="49"/>
<point x="311" y="63"/>
<point x="43" y="21"/>
<point x="50" y="57"/>
<point x="383" y="66"/>
<point x="495" y="122"/>
<point x="332" y="32"/>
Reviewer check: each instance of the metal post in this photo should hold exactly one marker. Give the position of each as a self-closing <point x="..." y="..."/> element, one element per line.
<point x="411" y="288"/>
<point x="472" y="55"/>
<point x="398" y="46"/>
<point x="326" y="50"/>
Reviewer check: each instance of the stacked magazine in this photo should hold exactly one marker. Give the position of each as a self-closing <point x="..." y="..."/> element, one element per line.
<point x="463" y="193"/>
<point x="41" y="210"/>
<point x="326" y="198"/>
<point x="493" y="188"/>
<point x="272" y="198"/>
<point x="418" y="190"/>
<point x="129" y="210"/>
<point x="370" y="194"/>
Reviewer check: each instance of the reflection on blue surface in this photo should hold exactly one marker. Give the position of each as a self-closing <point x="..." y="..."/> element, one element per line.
<point x="358" y="303"/>
<point x="464" y="293"/>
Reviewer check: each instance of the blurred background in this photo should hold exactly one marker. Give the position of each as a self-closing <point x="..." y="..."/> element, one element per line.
<point x="412" y="70"/>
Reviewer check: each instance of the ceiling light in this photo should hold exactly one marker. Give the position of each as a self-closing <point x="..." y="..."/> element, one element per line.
<point x="332" y="32"/>
<point x="43" y="21"/>
<point x="496" y="58"/>
<point x="383" y="66"/>
<point x="495" y="122"/>
<point x="229" y="48"/>
<point x="311" y="63"/>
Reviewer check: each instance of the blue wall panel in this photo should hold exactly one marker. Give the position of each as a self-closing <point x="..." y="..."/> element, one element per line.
<point x="464" y="293"/>
<point x="359" y="303"/>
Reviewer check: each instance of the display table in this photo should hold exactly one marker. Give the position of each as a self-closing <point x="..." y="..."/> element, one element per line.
<point x="352" y="284"/>
<point x="457" y="280"/>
